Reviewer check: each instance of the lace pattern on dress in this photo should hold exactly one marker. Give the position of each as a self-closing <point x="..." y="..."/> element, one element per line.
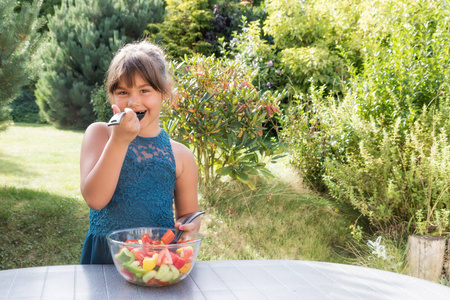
<point x="145" y="190"/>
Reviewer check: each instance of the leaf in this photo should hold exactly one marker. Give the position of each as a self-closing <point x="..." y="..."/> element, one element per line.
<point x="252" y="171"/>
<point x="266" y="173"/>
<point x="242" y="177"/>
<point x="278" y="156"/>
<point x="225" y="170"/>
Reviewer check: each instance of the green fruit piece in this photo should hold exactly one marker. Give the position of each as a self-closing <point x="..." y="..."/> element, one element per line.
<point x="162" y="272"/>
<point x="174" y="270"/>
<point x="125" y="256"/>
<point x="149" y="275"/>
<point x="176" y="279"/>
<point x="134" y="268"/>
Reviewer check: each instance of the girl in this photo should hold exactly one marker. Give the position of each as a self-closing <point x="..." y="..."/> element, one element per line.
<point x="132" y="173"/>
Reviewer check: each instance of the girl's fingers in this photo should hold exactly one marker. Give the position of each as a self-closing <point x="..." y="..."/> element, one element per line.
<point x="187" y="227"/>
<point x="115" y="109"/>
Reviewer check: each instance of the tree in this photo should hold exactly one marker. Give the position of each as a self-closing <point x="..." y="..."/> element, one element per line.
<point x="47" y="8"/>
<point x="19" y="43"/>
<point x="84" y="34"/>
<point x="316" y="40"/>
<point x="184" y="29"/>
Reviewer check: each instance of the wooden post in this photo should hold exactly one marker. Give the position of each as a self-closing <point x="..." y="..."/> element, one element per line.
<point x="447" y="260"/>
<point x="426" y="256"/>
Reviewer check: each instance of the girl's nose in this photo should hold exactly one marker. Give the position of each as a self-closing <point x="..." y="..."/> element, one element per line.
<point x="133" y="100"/>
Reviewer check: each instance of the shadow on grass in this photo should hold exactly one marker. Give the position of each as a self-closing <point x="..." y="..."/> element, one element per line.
<point x="39" y="228"/>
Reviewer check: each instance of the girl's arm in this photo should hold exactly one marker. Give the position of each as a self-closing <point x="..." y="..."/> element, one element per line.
<point x="186" y="199"/>
<point x="103" y="151"/>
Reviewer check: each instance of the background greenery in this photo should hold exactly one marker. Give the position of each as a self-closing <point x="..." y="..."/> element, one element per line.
<point x="360" y="90"/>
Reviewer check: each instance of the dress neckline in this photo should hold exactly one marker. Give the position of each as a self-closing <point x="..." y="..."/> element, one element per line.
<point x="160" y="134"/>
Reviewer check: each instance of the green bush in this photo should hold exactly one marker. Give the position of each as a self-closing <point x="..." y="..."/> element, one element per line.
<point x="84" y="36"/>
<point x="250" y="47"/>
<point x="24" y="108"/>
<point x="228" y="17"/>
<point x="314" y="133"/>
<point x="196" y="26"/>
<point x="100" y="103"/>
<point x="315" y="40"/>
<point x="184" y="29"/>
<point x="391" y="177"/>
<point x="222" y="116"/>
<point x="383" y="146"/>
<point x="405" y="68"/>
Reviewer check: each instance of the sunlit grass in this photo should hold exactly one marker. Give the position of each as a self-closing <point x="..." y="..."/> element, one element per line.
<point x="41" y="157"/>
<point x="279" y="220"/>
<point x="393" y="260"/>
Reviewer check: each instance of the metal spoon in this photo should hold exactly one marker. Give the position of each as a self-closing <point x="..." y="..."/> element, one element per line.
<point x="189" y="219"/>
<point x="117" y="118"/>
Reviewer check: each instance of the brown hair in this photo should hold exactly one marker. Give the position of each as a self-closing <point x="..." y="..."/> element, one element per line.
<point x="142" y="58"/>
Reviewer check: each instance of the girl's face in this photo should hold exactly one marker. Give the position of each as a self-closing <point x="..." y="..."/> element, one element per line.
<point x="140" y="98"/>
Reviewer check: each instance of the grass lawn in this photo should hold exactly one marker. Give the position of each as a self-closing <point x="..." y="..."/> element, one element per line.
<point x="44" y="219"/>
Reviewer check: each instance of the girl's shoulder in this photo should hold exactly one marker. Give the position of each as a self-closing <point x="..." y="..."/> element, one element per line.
<point x="184" y="159"/>
<point x="182" y="153"/>
<point x="179" y="148"/>
<point x="98" y="129"/>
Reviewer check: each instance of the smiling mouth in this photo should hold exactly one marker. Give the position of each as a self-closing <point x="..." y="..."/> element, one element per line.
<point x="140" y="114"/>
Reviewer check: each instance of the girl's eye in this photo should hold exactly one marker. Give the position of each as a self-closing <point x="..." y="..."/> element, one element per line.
<point x="145" y="91"/>
<point x="121" y="93"/>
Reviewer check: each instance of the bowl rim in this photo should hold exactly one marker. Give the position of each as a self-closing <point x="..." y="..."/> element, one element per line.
<point x="116" y="242"/>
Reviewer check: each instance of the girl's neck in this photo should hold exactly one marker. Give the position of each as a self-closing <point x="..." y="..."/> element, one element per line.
<point x="150" y="132"/>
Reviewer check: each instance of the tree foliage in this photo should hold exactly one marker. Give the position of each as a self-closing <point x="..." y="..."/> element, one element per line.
<point x="184" y="29"/>
<point x="84" y="34"/>
<point x="19" y="43"/>
<point x="195" y="26"/>
<point x="316" y="40"/>
<point x="47" y="8"/>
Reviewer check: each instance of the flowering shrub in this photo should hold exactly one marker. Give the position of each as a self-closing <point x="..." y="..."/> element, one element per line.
<point x="218" y="112"/>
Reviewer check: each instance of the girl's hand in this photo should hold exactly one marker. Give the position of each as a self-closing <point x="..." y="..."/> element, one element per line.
<point x="193" y="226"/>
<point x="128" y="128"/>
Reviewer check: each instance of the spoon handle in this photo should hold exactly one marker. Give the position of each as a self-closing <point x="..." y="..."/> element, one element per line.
<point x="189" y="219"/>
<point x="116" y="119"/>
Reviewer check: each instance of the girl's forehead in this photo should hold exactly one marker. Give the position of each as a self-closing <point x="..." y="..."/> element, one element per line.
<point x="132" y="80"/>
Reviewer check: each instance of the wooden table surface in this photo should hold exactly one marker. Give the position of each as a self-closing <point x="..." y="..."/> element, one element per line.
<point x="252" y="279"/>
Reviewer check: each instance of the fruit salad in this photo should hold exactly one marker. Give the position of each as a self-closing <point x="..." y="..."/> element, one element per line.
<point x="155" y="266"/>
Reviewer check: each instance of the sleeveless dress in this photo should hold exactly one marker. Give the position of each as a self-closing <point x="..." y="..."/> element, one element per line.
<point x="143" y="196"/>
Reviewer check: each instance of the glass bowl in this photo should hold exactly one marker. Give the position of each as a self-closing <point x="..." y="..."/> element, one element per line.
<point x="141" y="256"/>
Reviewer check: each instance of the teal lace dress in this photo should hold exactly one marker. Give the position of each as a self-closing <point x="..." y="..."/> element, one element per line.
<point x="143" y="196"/>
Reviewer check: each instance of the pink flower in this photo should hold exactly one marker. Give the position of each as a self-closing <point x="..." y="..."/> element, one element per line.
<point x="268" y="84"/>
<point x="278" y="72"/>
<point x="270" y="63"/>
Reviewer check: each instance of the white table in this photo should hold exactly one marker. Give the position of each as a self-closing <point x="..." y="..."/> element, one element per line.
<point x="253" y="279"/>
